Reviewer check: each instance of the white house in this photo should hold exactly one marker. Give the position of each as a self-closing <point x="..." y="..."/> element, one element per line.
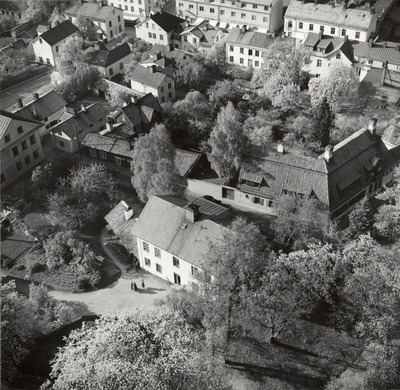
<point x="145" y="80"/>
<point x="108" y="20"/>
<point x="135" y="9"/>
<point x="174" y="237"/>
<point x="46" y="45"/>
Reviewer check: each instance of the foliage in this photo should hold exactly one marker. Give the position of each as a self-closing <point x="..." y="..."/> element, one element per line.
<point x="227" y="142"/>
<point x="322" y="123"/>
<point x="129" y="69"/>
<point x="348" y="380"/>
<point x="153" y="166"/>
<point x="339" y="85"/>
<point x="223" y="92"/>
<point x="215" y="57"/>
<point x="360" y="220"/>
<point x="191" y="74"/>
<point x="161" y="352"/>
<point x="139" y="47"/>
<point x="345" y="126"/>
<point x="87" y="28"/>
<point x="7" y="23"/>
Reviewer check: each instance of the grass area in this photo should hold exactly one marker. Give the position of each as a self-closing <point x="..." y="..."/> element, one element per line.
<point x="14" y="245"/>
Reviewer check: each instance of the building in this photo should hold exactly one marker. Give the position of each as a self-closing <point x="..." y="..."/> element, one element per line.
<point x="20" y="149"/>
<point x="325" y="50"/>
<point x="189" y="162"/>
<point x="246" y="48"/>
<point x="360" y="22"/>
<point x="140" y="115"/>
<point x="46" y="109"/>
<point x="109" y="62"/>
<point x="162" y="63"/>
<point x="72" y="129"/>
<point x="135" y="9"/>
<point x="108" y="20"/>
<point x="47" y="45"/>
<point x="160" y="28"/>
<point x="161" y="86"/>
<point x="174" y="238"/>
<point x="343" y="175"/>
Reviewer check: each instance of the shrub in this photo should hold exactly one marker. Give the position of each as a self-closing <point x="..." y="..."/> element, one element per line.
<point x="6" y="262"/>
<point x="38" y="267"/>
<point x="20" y="267"/>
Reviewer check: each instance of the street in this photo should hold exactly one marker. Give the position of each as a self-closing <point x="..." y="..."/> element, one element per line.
<point x="29" y="87"/>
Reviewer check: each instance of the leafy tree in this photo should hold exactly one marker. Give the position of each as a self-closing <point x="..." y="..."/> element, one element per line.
<point x="70" y="56"/>
<point x="7" y="23"/>
<point x="153" y="167"/>
<point x="57" y="16"/>
<point x="338" y="85"/>
<point x="87" y="28"/>
<point x="191" y="75"/>
<point x="129" y="69"/>
<point x="223" y="92"/>
<point x="227" y="142"/>
<point x="322" y="123"/>
<point x="216" y="57"/>
<point x="139" y="47"/>
<point x="360" y="220"/>
<point x="345" y="126"/>
<point x="148" y="349"/>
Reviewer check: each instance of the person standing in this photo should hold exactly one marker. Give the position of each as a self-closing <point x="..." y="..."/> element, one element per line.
<point x="131" y="285"/>
<point x="135" y="286"/>
<point x="143" y="286"/>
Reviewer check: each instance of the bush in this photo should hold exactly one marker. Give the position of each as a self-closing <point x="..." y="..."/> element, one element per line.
<point x="20" y="267"/>
<point x="83" y="284"/>
<point x="38" y="267"/>
<point x="6" y="262"/>
<point x="33" y="70"/>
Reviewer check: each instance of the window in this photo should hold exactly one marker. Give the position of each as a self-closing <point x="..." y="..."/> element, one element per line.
<point x="27" y="160"/>
<point x="41" y="59"/>
<point x="57" y="49"/>
<point x="357" y="35"/>
<point x="201" y="8"/>
<point x="241" y="50"/>
<point x="191" y="6"/>
<point x="154" y="35"/>
<point x="265" y="19"/>
<point x="250" y="52"/>
<point x="3" y="178"/>
<point x="147" y="262"/>
<point x="321" y="28"/>
<point x="117" y="161"/>
<point x="185" y="38"/>
<point x="126" y="8"/>
<point x="40" y="40"/>
<point x="36" y="154"/>
<point x="300" y="25"/>
<point x="147" y="24"/>
<point x="111" y="71"/>
<point x="311" y="27"/>
<point x="157" y="252"/>
<point x="62" y="144"/>
<point x="230" y="48"/>
<point x="132" y="9"/>
<point x="338" y="56"/>
<point x="149" y="34"/>
<point x="233" y="14"/>
<point x="228" y="193"/>
<point x="290" y="24"/>
<point x="195" y="271"/>
<point x="258" y="200"/>
<point x="254" y="6"/>
<point x="170" y="95"/>
<point x="253" y="17"/>
<point x="7" y="138"/>
<point x="161" y="37"/>
<point x="110" y="23"/>
<point x="242" y="16"/>
<point x="343" y="32"/>
<point x="15" y="151"/>
<point x="230" y="58"/>
<point x="111" y="34"/>
<point x="103" y="155"/>
<point x="256" y="63"/>
<point x="158" y="268"/>
<point x="333" y="30"/>
<point x="319" y="63"/>
<point x="119" y="18"/>
<point x="177" y="279"/>
<point x="241" y="61"/>
<point x="257" y="53"/>
<point x="175" y="261"/>
<point x="119" y="27"/>
<point x="48" y="61"/>
<point x="19" y="165"/>
<point x="370" y="62"/>
<point x="32" y="139"/>
<point x="194" y="40"/>
<point x="24" y="145"/>
<point x="212" y="10"/>
<point x="222" y="12"/>
<point x="169" y="85"/>
<point x="92" y="152"/>
<point x="162" y="89"/>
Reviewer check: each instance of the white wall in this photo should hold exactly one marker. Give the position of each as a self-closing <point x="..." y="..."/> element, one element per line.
<point x="244" y="56"/>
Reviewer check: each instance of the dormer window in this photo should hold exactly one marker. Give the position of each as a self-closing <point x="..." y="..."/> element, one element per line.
<point x="40" y="40"/>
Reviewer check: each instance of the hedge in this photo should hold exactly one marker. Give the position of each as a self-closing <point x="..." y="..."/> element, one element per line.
<point x="31" y="71"/>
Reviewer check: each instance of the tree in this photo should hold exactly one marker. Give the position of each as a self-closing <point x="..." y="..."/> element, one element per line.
<point x="216" y="56"/>
<point x="348" y="380"/>
<point x="150" y="348"/>
<point x="129" y="69"/>
<point x="70" y="55"/>
<point x="322" y="123"/>
<point x="6" y="23"/>
<point x="153" y="166"/>
<point x="139" y="47"/>
<point x="87" y="28"/>
<point x="339" y="85"/>
<point x="57" y="16"/>
<point x="227" y="142"/>
<point x="191" y="75"/>
<point x="223" y="92"/>
<point x="360" y="220"/>
<point x="346" y="125"/>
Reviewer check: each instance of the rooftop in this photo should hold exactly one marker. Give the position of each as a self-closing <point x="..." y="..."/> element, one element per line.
<point x="166" y="21"/>
<point x="379" y="51"/>
<point x="185" y="161"/>
<point x="107" y="144"/>
<point x="249" y="38"/>
<point x="58" y="33"/>
<point x="101" y="56"/>
<point x="329" y="45"/>
<point x="148" y="77"/>
<point x="7" y="117"/>
<point x="95" y="11"/>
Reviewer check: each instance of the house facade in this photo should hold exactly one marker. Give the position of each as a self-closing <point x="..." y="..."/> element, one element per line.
<point x="47" y="45"/>
<point x="135" y="9"/>
<point x="21" y="149"/>
<point x="265" y="15"/>
<point x="108" y="20"/>
<point x="68" y="134"/>
<point x="46" y="109"/>
<point x="174" y="237"/>
<point x="149" y="80"/>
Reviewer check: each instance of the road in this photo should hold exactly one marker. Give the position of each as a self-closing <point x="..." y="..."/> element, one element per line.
<point x="9" y="96"/>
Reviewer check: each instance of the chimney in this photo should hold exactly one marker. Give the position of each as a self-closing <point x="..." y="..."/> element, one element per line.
<point x="153" y="69"/>
<point x="97" y="45"/>
<point x="170" y="47"/>
<point x="57" y="22"/>
<point x="83" y="108"/>
<point x="370" y="43"/>
<point x="320" y="35"/>
<point x="344" y="5"/>
<point x="187" y="24"/>
<point x="109" y="125"/>
<point x="158" y="55"/>
<point x="316" y="2"/>
<point x="346" y="38"/>
<point x="397" y="47"/>
<point x="36" y="96"/>
<point x="280" y="148"/>
<point x="134" y="99"/>
<point x="20" y="104"/>
<point x="243" y="29"/>
<point x="328" y="153"/>
<point x="372" y="125"/>
<point x="48" y="27"/>
<point x="75" y="112"/>
<point x="192" y="212"/>
<point x="384" y="44"/>
<point x="128" y="214"/>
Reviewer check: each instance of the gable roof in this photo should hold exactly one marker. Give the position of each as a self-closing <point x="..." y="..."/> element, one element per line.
<point x="163" y="223"/>
<point x="145" y="76"/>
<point x="391" y="133"/>
<point x="249" y="38"/>
<point x="103" y="57"/>
<point x="121" y="221"/>
<point x="38" y="109"/>
<point x="107" y="144"/>
<point x="377" y="51"/>
<point x="85" y="118"/>
<point x="58" y="33"/>
<point x="185" y="161"/>
<point x="95" y="11"/>
<point x="7" y="117"/>
<point x="166" y="21"/>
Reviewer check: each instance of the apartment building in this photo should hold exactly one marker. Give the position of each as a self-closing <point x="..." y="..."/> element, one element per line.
<point x="135" y="9"/>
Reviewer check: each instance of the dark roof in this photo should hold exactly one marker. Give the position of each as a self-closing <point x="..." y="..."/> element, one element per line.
<point x="6" y="118"/>
<point x="107" y="144"/>
<point x="163" y="223"/>
<point x="147" y="77"/>
<point x="249" y="38"/>
<point x="377" y="51"/>
<point x="82" y="121"/>
<point x="121" y="221"/>
<point x="103" y="57"/>
<point x="185" y="161"/>
<point x="166" y="21"/>
<point x="19" y="44"/>
<point x="94" y="11"/>
<point x="58" y="33"/>
<point x="43" y="107"/>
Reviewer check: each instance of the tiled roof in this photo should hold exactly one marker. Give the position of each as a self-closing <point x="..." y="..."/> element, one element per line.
<point x="122" y="227"/>
<point x="391" y="133"/>
<point x="175" y="54"/>
<point x="82" y="121"/>
<point x="108" y="144"/>
<point x="58" y="33"/>
<point x="331" y="15"/>
<point x="163" y="224"/>
<point x="147" y="77"/>
<point x="103" y="57"/>
<point x="166" y="21"/>
<point x="6" y="118"/>
<point x="185" y="160"/>
<point x="92" y="11"/>
<point x="121" y="130"/>
<point x="43" y="107"/>
<point x="377" y="51"/>
<point x="249" y="39"/>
